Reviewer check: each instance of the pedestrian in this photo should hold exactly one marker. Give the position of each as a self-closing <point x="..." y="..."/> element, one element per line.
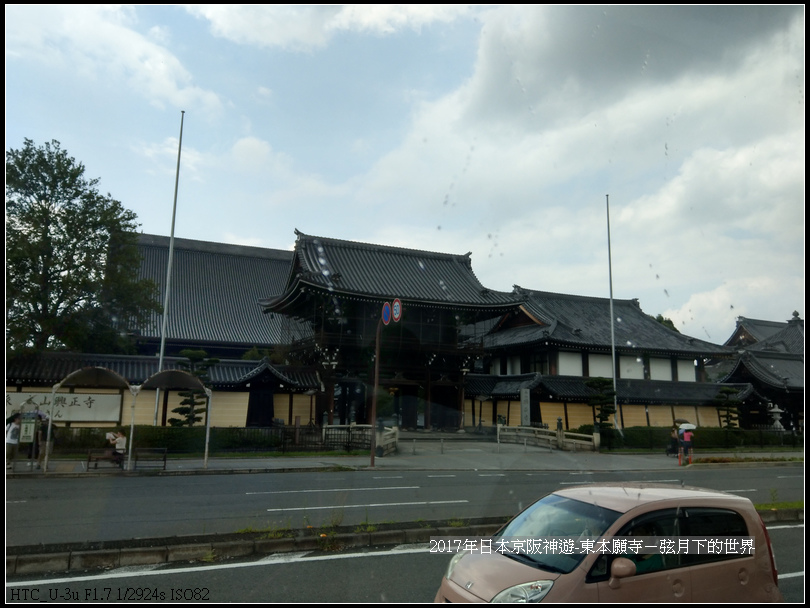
<point x="34" y="448"/>
<point x="674" y="442"/>
<point x="45" y="446"/>
<point x="687" y="442"/>
<point x="119" y="441"/>
<point x="12" y="440"/>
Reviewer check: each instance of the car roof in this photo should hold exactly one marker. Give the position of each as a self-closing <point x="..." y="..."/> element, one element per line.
<point x="623" y="497"/>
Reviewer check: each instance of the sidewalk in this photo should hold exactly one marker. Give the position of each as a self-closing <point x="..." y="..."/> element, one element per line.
<point x="417" y="451"/>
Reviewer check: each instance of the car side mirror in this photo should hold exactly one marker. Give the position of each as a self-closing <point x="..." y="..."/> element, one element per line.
<point x="619" y="569"/>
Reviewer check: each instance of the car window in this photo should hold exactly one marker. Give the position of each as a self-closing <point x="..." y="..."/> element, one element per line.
<point x="712" y="523"/>
<point x="654" y="528"/>
<point x="556" y="517"/>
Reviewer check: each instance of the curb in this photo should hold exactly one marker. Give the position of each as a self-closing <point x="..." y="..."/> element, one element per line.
<point x="28" y="561"/>
<point x="179" y="550"/>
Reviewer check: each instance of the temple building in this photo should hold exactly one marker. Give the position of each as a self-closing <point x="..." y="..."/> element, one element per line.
<point x="305" y="336"/>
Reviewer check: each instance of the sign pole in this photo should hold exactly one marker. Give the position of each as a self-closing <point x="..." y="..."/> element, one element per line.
<point x="389" y="313"/>
<point x="374" y="394"/>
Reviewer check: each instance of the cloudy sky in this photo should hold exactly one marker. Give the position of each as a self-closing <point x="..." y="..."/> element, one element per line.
<point x="492" y="129"/>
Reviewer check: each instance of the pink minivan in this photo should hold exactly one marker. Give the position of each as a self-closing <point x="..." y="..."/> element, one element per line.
<point x="676" y="519"/>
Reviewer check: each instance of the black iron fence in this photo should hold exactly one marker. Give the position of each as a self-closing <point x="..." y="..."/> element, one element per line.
<point x="222" y="440"/>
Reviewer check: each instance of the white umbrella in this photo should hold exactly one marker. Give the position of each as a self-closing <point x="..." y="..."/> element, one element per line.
<point x="687" y="426"/>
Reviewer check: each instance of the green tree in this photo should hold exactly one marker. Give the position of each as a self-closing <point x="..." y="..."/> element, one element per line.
<point x="192" y="406"/>
<point x="727" y="406"/>
<point x="666" y="323"/>
<point x="71" y="258"/>
<point x="604" y="406"/>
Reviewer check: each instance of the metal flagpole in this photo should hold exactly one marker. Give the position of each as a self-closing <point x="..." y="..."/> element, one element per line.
<point x="616" y="417"/>
<point x="169" y="268"/>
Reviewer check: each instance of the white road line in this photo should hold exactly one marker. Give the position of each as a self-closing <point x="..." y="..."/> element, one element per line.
<point x="491" y="475"/>
<point x="286" y="558"/>
<point x="270" y="560"/>
<point x="791" y="575"/>
<point x="379" y="504"/>
<point x="738" y="491"/>
<point x="430" y="476"/>
<point x="335" y="490"/>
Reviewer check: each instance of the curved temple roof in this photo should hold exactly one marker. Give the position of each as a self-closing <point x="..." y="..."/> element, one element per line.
<point x="379" y="272"/>
<point x="583" y="321"/>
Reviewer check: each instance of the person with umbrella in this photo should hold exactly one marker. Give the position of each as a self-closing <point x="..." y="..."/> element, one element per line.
<point x="674" y="442"/>
<point x="686" y="438"/>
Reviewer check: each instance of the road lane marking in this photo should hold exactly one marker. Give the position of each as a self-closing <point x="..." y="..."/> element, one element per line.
<point x="379" y="504"/>
<point x="791" y="575"/>
<point x="334" y="490"/>
<point x="430" y="476"/>
<point x="271" y="560"/>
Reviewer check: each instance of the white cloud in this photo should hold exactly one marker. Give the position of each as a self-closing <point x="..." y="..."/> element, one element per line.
<point x="711" y="315"/>
<point x="98" y="43"/>
<point x="388" y="18"/>
<point x="303" y="28"/>
<point x="705" y="168"/>
<point x="162" y="157"/>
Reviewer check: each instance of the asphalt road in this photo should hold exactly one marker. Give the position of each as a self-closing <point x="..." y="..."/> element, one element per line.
<point x="403" y="574"/>
<point x="90" y="509"/>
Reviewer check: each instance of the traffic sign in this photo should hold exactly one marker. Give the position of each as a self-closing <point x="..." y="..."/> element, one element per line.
<point x="386" y="313"/>
<point x="396" y="310"/>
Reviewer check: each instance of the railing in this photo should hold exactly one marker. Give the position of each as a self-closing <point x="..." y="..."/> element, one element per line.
<point x="348" y="437"/>
<point x="530" y="435"/>
<point x="387" y="441"/>
<point x="308" y="438"/>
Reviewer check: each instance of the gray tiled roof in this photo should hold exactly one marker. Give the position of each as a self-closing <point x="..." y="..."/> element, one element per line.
<point x="773" y="369"/>
<point x="777" y="360"/>
<point x="789" y="339"/>
<point x="50" y="368"/>
<point x="380" y="272"/>
<point x="643" y="391"/>
<point x="756" y="328"/>
<point x="574" y="388"/>
<point x="215" y="289"/>
<point x="583" y="321"/>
